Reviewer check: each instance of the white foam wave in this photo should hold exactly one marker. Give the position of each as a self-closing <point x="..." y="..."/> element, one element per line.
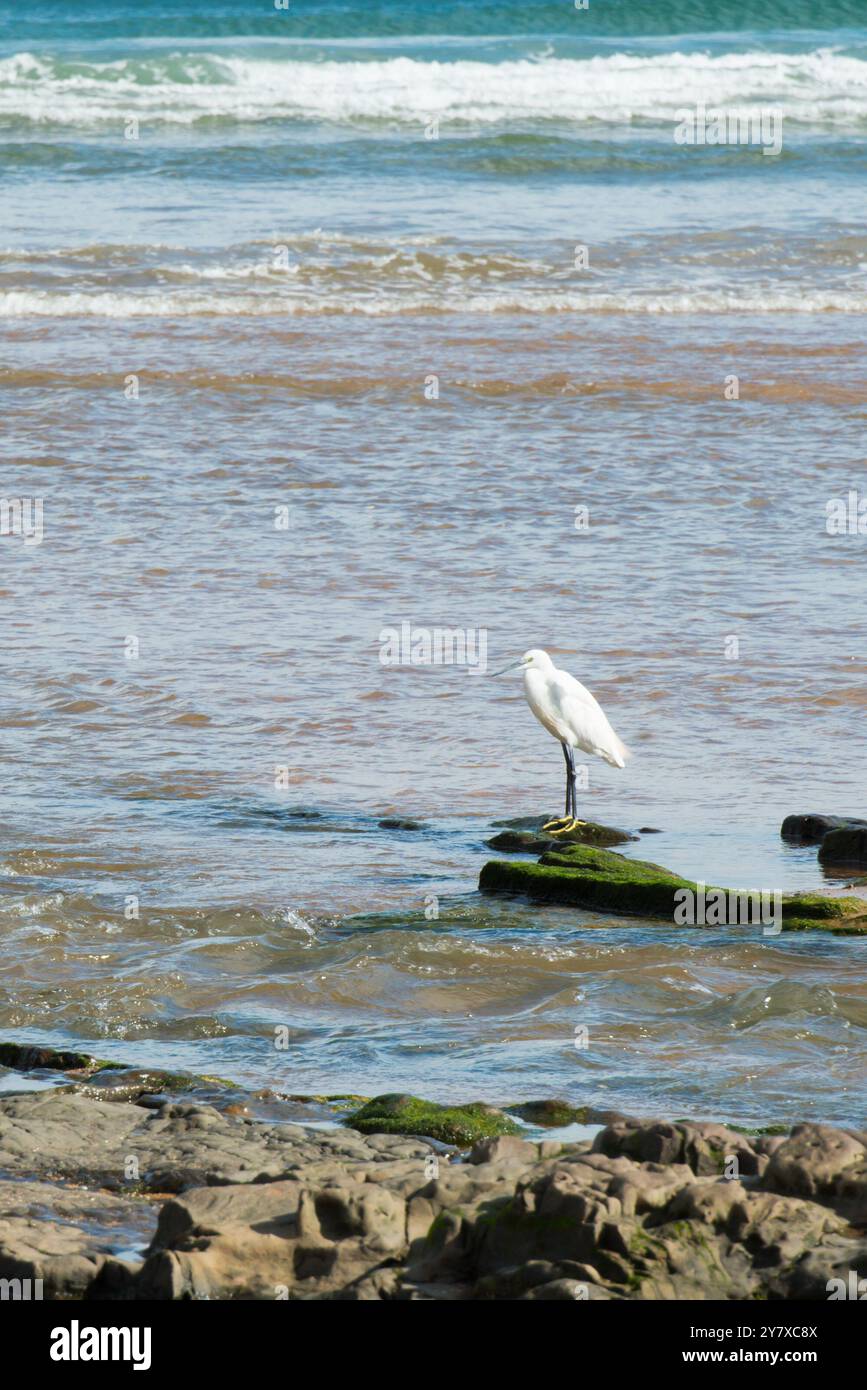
<point x="821" y="86"/>
<point x="118" y="305"/>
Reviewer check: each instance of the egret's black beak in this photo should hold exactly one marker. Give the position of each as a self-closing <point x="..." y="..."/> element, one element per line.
<point x="513" y="665"/>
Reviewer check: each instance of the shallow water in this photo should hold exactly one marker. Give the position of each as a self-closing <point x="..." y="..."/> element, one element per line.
<point x="294" y="378"/>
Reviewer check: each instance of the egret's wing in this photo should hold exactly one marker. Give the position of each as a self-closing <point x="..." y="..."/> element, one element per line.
<point x="587" y="721"/>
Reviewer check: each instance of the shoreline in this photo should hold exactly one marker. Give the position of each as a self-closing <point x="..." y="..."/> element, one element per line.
<point x="158" y="1194"/>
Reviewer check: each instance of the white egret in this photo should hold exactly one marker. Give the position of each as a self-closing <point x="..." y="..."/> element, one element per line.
<point x="569" y="712"/>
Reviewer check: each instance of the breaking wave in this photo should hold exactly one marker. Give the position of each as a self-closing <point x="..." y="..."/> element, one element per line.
<point x="825" y="86"/>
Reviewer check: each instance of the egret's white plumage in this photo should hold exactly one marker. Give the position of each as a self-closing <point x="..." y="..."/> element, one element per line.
<point x="568" y="711"/>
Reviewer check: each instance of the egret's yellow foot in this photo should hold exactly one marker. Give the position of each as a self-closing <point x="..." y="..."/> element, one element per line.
<point x="562" y="825"/>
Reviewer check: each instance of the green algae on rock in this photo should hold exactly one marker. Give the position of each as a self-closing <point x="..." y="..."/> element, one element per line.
<point x="522" y="841"/>
<point x="536" y="841"/>
<point x="549" y="1114"/>
<point x="451" y="1124"/>
<point x="600" y="879"/>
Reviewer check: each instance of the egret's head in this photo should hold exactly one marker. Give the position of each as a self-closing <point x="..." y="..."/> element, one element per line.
<point x="535" y="657"/>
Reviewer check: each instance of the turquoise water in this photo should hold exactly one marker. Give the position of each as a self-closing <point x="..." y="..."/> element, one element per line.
<point x="278" y="225"/>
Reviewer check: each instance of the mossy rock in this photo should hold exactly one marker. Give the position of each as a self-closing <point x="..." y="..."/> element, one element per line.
<point x="590" y="832"/>
<point x="451" y="1124"/>
<point x="600" y="879"/>
<point x="539" y="841"/>
<point x="586" y="876"/>
<point x="813" y="911"/>
<point x="26" y="1057"/>
<point x="521" y="842"/>
<point x="549" y="1114"/>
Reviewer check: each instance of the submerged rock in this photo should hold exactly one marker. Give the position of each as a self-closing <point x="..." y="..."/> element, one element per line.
<point x="842" y="840"/>
<point x="111" y="1080"/>
<point x="810" y="829"/>
<point x="24" y="1057"/>
<point x="846" y="848"/>
<point x="132" y="1083"/>
<point x="451" y="1124"/>
<point x="549" y="1114"/>
<point x="605" y="881"/>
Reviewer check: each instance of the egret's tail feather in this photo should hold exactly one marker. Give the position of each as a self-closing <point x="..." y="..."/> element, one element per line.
<point x="618" y="754"/>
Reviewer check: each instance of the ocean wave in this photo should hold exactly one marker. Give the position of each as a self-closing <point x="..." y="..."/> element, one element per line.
<point x="825" y="86"/>
<point x="121" y="305"/>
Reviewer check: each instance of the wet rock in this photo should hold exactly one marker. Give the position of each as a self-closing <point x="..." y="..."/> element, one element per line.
<point x="588" y="877"/>
<point x="605" y="881"/>
<point x="63" y="1236"/>
<point x="811" y="828"/>
<point x="538" y="841"/>
<point x="591" y="833"/>
<point x="549" y="1114"/>
<point x="522" y="842"/>
<point x="132" y="1083"/>
<point x="23" y="1057"/>
<point x="112" y="1080"/>
<point x="400" y="823"/>
<point x="457" y="1124"/>
<point x="845" y="848"/>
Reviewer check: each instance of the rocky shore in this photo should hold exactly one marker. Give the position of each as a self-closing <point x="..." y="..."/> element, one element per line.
<point x="122" y="1184"/>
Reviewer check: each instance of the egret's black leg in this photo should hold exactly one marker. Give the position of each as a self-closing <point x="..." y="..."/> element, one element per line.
<point x="571" y="788"/>
<point x="570" y="782"/>
<point x="562" y="827"/>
